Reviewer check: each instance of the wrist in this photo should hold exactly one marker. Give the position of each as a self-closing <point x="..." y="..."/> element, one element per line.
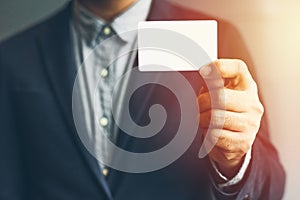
<point x="230" y="168"/>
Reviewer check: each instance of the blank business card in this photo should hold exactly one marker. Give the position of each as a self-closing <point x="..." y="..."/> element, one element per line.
<point x="176" y="45"/>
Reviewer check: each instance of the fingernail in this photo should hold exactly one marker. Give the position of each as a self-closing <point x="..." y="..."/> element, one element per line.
<point x="205" y="71"/>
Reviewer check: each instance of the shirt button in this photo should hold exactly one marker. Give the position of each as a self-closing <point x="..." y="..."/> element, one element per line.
<point x="103" y="121"/>
<point x="106" y="30"/>
<point x="105" y="171"/>
<point x="104" y="73"/>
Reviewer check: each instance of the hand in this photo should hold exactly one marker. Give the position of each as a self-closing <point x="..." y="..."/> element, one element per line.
<point x="230" y="103"/>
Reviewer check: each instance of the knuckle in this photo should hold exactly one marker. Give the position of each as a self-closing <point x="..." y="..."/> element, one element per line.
<point x="253" y="124"/>
<point x="255" y="120"/>
<point x="261" y="108"/>
<point x="229" y="145"/>
<point x="241" y="123"/>
<point x="229" y="121"/>
<point x="257" y="106"/>
<point x="243" y="126"/>
<point x="245" y="146"/>
<point x="253" y="86"/>
<point x="228" y="156"/>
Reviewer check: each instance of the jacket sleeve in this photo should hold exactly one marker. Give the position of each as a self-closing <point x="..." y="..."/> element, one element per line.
<point x="10" y="158"/>
<point x="265" y="176"/>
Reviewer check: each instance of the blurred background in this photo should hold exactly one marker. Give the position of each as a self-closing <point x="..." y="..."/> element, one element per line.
<point x="271" y="30"/>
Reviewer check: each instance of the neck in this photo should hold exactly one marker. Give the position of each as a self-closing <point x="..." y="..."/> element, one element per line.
<point x="106" y="9"/>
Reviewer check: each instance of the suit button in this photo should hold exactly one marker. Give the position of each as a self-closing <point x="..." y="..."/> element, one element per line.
<point x="246" y="197"/>
<point x="105" y="171"/>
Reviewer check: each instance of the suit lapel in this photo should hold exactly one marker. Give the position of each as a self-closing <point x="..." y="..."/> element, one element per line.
<point x="160" y="10"/>
<point x="57" y="48"/>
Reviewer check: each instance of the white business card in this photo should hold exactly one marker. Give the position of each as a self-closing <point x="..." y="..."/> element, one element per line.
<point x="176" y="45"/>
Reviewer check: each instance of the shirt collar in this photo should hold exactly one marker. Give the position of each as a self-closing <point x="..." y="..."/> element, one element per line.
<point x="128" y="20"/>
<point x="90" y="25"/>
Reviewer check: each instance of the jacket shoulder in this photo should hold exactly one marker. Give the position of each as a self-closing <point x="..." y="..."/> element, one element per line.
<point x="28" y="36"/>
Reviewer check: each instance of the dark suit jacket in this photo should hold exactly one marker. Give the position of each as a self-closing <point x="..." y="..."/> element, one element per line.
<point x="42" y="157"/>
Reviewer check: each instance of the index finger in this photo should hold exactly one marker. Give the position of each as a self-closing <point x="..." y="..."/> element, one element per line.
<point x="233" y="69"/>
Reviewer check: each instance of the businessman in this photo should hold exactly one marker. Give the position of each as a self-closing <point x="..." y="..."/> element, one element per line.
<point x="42" y="154"/>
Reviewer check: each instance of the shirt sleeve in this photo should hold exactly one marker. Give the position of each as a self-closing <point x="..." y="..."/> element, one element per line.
<point x="237" y="178"/>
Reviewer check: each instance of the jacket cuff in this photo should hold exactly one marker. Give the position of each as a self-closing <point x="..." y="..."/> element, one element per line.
<point x="238" y="177"/>
<point x="229" y="188"/>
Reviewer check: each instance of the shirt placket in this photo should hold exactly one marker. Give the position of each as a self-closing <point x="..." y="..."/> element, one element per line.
<point x="105" y="75"/>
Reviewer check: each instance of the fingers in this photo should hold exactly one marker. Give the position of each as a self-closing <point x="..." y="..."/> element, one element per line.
<point x="226" y="99"/>
<point x="230" y="109"/>
<point x="220" y="156"/>
<point x="229" y="141"/>
<point x="233" y="69"/>
<point x="238" y="122"/>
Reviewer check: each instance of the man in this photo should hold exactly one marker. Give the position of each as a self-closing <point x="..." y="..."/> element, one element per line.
<point x="42" y="156"/>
